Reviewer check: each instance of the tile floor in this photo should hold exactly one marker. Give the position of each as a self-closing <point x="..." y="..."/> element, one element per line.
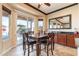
<point x="60" y="50"/>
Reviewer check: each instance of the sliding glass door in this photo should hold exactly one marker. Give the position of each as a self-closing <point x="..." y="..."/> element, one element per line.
<point x="21" y="28"/>
<point x="23" y="25"/>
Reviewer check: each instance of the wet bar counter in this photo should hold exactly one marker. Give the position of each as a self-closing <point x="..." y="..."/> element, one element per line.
<point x="66" y="38"/>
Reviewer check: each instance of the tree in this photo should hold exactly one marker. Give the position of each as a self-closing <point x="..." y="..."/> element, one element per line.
<point x="21" y="29"/>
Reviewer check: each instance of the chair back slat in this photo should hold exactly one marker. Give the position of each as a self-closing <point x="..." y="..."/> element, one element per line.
<point x="51" y="37"/>
<point x="25" y="37"/>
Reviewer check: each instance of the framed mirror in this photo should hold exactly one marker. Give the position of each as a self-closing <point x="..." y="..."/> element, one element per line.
<point x="62" y="22"/>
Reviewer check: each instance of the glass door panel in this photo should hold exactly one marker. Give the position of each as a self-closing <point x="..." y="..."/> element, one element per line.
<point x="21" y="28"/>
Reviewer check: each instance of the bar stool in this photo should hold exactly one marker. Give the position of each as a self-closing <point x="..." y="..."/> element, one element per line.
<point x="27" y="41"/>
<point x="50" y="41"/>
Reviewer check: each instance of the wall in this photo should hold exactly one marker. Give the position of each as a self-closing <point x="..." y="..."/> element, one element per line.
<point x="74" y="10"/>
<point x="0" y="28"/>
<point x="6" y="45"/>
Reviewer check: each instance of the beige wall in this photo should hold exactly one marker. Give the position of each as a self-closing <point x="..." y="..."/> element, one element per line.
<point x="75" y="17"/>
<point x="35" y="24"/>
<point x="45" y="23"/>
<point x="0" y="28"/>
<point x="9" y="43"/>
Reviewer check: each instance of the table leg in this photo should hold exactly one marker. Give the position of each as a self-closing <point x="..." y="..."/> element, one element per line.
<point x="37" y="48"/>
<point x="53" y="45"/>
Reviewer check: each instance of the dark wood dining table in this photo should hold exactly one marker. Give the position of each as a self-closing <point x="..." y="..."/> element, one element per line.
<point x="38" y="38"/>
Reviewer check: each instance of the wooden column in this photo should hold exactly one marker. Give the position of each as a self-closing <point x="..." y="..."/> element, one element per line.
<point x="35" y="24"/>
<point x="45" y="23"/>
<point x="13" y="28"/>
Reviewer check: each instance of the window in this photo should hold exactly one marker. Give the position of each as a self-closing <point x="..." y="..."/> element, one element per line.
<point x="5" y="25"/>
<point x="21" y="28"/>
<point x="30" y="24"/>
<point x="21" y="25"/>
<point x="40" y="23"/>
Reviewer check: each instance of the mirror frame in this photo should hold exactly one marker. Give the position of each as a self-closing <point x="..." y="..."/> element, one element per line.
<point x="69" y="15"/>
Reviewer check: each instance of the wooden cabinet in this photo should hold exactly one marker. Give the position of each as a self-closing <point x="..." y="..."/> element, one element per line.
<point x="76" y="35"/>
<point x="61" y="38"/>
<point x="70" y="40"/>
<point x="66" y="39"/>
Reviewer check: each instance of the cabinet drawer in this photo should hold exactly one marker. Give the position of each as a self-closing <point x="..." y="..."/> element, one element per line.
<point x="61" y="38"/>
<point x="70" y="40"/>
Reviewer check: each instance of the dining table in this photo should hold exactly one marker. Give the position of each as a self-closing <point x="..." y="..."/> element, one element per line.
<point x="38" y="38"/>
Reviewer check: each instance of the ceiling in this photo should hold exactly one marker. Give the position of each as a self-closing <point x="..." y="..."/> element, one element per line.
<point x="47" y="10"/>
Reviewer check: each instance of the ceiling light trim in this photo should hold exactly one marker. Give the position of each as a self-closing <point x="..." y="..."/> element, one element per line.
<point x="52" y="11"/>
<point x="35" y="8"/>
<point x="62" y="8"/>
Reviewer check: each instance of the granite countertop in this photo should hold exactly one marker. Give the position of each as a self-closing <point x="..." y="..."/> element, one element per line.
<point x="61" y="32"/>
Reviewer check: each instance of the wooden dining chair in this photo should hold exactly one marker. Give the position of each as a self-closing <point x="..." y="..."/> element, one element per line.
<point x="29" y="42"/>
<point x="47" y="41"/>
<point x="50" y="41"/>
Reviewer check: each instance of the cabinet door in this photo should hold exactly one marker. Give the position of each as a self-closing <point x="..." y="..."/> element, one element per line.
<point x="76" y="35"/>
<point x="61" y="38"/>
<point x="70" y="40"/>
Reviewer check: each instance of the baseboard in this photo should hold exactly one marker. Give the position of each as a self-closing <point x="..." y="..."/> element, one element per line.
<point x="6" y="51"/>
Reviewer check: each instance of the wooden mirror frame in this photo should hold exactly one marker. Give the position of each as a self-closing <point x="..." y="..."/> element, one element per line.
<point x="69" y="15"/>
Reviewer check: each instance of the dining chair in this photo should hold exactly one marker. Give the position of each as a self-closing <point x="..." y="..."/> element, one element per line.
<point x="50" y="41"/>
<point x="47" y="41"/>
<point x="29" y="42"/>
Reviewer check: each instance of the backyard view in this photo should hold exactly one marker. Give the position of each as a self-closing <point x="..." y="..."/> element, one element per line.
<point x="23" y="26"/>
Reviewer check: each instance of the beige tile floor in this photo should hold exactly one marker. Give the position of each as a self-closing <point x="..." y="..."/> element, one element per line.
<point x="60" y="50"/>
